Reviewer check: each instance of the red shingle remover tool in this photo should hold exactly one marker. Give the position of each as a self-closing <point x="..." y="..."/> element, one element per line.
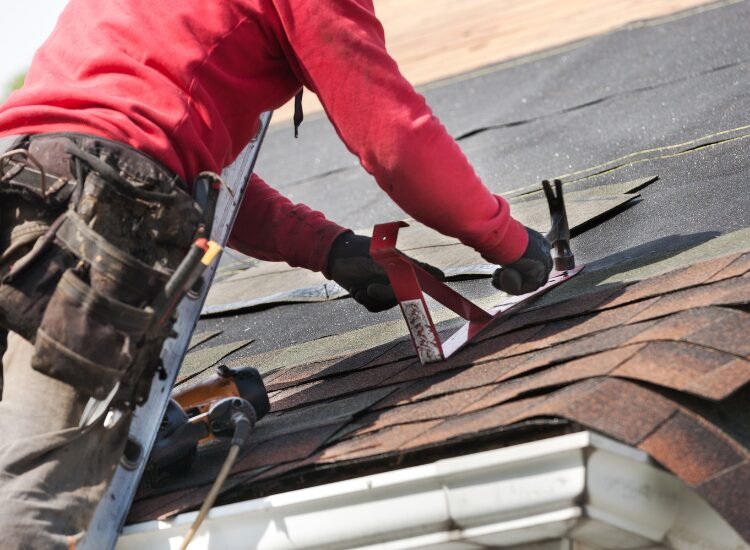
<point x="410" y="283"/>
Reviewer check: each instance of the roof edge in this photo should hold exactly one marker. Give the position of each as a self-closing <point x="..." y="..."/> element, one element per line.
<point x="581" y="486"/>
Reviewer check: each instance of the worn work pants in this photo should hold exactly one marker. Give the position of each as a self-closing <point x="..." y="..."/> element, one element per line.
<point x="52" y="473"/>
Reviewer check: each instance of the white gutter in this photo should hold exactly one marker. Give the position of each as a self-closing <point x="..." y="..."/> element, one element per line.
<point x="579" y="487"/>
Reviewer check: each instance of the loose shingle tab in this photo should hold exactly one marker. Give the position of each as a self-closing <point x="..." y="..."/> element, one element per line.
<point x="723" y="381"/>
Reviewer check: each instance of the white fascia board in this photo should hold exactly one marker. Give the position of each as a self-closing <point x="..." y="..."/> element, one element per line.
<point x="580" y="486"/>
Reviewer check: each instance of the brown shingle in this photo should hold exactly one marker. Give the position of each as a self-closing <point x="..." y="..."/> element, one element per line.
<point x="400" y="351"/>
<point x="596" y="343"/>
<point x="679" y="325"/>
<point x="723" y="381"/>
<point x="562" y="310"/>
<point x="468" y="425"/>
<point x="437" y="408"/>
<point x="676" y="365"/>
<point x="504" y="345"/>
<point x="300" y="374"/>
<point x="474" y="376"/>
<point x="329" y="388"/>
<point x="413" y="370"/>
<point x="163" y="506"/>
<point x="287" y="448"/>
<point x="388" y="441"/>
<point x="587" y="367"/>
<point x="439" y="382"/>
<point x="687" y="277"/>
<point x="730" y="292"/>
<point x="571" y="329"/>
<point x="691" y="448"/>
<point x="730" y="334"/>
<point x="280" y="470"/>
<point x="737" y="268"/>
<point x="728" y="494"/>
<point x="410" y="391"/>
<point x="320" y="414"/>
<point x="620" y="409"/>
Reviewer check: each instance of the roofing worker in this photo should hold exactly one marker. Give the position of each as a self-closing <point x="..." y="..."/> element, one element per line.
<point x="124" y="105"/>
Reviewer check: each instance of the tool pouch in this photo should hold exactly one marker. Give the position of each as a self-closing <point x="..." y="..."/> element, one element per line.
<point x="83" y="294"/>
<point x="77" y="316"/>
<point x="25" y="293"/>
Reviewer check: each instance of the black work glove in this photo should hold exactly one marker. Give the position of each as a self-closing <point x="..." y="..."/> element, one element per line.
<point x="529" y="272"/>
<point x="352" y="267"/>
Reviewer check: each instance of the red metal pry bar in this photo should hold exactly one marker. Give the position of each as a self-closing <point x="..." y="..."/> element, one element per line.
<point x="411" y="282"/>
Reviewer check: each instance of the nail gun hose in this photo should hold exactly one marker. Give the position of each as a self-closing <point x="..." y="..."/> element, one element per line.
<point x="242" y="429"/>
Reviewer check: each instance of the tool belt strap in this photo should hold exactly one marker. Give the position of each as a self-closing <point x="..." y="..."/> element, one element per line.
<point x="91" y="247"/>
<point x="30" y="179"/>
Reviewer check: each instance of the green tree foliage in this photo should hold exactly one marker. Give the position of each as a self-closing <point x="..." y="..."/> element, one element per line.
<point x="11" y="86"/>
<point x="17" y="82"/>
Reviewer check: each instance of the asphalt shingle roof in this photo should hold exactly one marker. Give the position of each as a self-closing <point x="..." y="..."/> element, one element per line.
<point x="624" y="362"/>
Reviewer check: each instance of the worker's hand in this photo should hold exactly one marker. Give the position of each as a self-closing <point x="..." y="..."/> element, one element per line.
<point x="528" y="273"/>
<point x="352" y="267"/>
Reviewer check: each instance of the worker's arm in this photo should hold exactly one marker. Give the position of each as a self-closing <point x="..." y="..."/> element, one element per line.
<point x="271" y="227"/>
<point x="339" y="49"/>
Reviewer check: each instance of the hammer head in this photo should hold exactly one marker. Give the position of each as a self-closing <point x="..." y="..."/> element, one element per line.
<point x="559" y="234"/>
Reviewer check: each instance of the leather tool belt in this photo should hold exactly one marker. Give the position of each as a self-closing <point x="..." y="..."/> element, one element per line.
<point x="90" y="232"/>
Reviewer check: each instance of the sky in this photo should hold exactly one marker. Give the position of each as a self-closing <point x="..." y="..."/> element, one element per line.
<point x="24" y="27"/>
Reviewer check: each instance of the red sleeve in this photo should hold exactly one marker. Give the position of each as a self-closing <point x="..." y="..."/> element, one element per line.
<point x="339" y="47"/>
<point x="270" y="227"/>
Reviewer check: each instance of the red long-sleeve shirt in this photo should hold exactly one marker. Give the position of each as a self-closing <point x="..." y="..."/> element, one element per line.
<point x="184" y="81"/>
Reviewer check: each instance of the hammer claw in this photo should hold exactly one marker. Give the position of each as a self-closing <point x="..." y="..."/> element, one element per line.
<point x="559" y="234"/>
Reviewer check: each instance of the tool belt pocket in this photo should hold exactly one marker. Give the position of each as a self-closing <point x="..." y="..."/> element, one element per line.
<point x="25" y="294"/>
<point x="87" y="339"/>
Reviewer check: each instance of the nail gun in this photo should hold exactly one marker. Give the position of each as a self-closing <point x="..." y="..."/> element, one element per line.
<point x="204" y="413"/>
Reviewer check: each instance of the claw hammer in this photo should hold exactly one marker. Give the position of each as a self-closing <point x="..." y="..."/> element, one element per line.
<point x="559" y="233"/>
